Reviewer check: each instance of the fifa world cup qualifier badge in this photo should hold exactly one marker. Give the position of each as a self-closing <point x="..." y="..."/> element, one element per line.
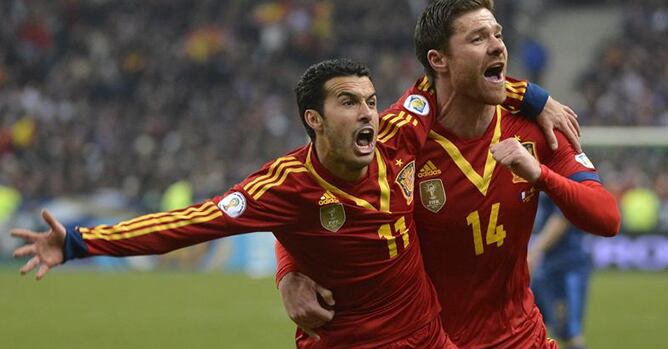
<point x="583" y="160"/>
<point x="234" y="204"/>
<point x="417" y="104"/>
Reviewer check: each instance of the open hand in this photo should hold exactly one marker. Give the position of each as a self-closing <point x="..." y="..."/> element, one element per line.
<point x="45" y="248"/>
<point x="563" y="118"/>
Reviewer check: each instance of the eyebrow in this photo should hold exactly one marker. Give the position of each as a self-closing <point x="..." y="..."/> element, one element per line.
<point x="497" y="26"/>
<point x="354" y="95"/>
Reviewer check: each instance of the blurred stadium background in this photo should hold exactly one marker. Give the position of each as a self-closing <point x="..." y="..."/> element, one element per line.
<point x="111" y="109"/>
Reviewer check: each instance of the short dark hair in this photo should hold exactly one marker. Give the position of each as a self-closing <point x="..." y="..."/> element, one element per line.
<point x="435" y="26"/>
<point x="310" y="89"/>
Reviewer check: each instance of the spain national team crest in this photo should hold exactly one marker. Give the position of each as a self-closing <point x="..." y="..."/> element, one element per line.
<point x="406" y="181"/>
<point x="531" y="148"/>
<point x="432" y="195"/>
<point x="332" y="217"/>
<point x="417" y="104"/>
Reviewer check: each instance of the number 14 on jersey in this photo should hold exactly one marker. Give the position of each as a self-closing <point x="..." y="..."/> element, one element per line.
<point x="495" y="234"/>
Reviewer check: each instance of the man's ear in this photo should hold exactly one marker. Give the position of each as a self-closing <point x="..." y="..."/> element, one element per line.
<point x="313" y="119"/>
<point x="438" y="61"/>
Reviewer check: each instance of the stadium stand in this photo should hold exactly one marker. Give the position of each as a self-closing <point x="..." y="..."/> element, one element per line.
<point x="133" y="97"/>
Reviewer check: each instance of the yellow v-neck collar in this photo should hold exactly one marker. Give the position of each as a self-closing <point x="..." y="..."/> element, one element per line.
<point x="382" y="183"/>
<point x="480" y="182"/>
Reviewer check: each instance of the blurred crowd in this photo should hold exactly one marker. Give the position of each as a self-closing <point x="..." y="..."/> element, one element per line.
<point x="627" y="85"/>
<point x="136" y="96"/>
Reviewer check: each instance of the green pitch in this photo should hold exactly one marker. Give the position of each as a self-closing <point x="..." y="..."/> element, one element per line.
<point x="627" y="310"/>
<point x="71" y="309"/>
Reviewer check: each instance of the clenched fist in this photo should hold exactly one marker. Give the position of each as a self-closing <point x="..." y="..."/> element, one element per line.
<point x="511" y="154"/>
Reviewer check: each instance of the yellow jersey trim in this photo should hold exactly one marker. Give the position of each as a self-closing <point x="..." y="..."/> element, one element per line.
<point x="276" y="175"/>
<point x="382" y="183"/>
<point x="390" y="128"/>
<point x="518" y="84"/>
<point x="152" y="219"/>
<point x="512" y="88"/>
<point x="480" y="182"/>
<point x="169" y="220"/>
<point x="424" y="84"/>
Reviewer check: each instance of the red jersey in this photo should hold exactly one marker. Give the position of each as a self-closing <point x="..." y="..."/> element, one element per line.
<point x="356" y="239"/>
<point x="475" y="219"/>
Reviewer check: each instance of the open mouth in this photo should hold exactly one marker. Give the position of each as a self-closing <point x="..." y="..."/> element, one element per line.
<point x="494" y="73"/>
<point x="365" y="140"/>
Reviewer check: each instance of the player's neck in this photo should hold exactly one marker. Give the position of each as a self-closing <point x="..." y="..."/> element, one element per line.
<point x="336" y="166"/>
<point x="465" y="117"/>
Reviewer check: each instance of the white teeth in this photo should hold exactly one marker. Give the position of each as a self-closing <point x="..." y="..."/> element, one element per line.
<point x="364" y="137"/>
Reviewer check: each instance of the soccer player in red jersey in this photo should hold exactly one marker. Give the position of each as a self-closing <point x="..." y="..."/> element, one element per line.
<point x="299" y="293"/>
<point x="474" y="217"/>
<point x="341" y="205"/>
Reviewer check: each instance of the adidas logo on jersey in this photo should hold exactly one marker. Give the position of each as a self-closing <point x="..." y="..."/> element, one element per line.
<point x="429" y="170"/>
<point x="328" y="198"/>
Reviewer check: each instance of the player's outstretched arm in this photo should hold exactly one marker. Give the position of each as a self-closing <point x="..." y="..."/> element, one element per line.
<point x="563" y="118"/>
<point x="299" y="294"/>
<point x="45" y="248"/>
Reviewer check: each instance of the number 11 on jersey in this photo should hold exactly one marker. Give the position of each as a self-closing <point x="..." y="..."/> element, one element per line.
<point x="385" y="232"/>
<point x="495" y="234"/>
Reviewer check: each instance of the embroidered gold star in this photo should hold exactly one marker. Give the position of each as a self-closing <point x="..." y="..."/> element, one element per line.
<point x="518" y="138"/>
<point x="398" y="162"/>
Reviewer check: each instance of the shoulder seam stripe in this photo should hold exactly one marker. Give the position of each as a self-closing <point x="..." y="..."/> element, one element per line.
<point x="391" y="127"/>
<point x="425" y="85"/>
<point x="389" y="136"/>
<point x="280" y="181"/>
<point x="270" y="172"/>
<point x="425" y="81"/>
<point x="516" y="96"/>
<point x="385" y="124"/>
<point x="400" y="116"/>
<point x="266" y="179"/>
<point x="516" y="89"/>
<point x="517" y="84"/>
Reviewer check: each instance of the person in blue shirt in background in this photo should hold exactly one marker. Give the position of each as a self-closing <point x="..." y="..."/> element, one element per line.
<point x="560" y="268"/>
